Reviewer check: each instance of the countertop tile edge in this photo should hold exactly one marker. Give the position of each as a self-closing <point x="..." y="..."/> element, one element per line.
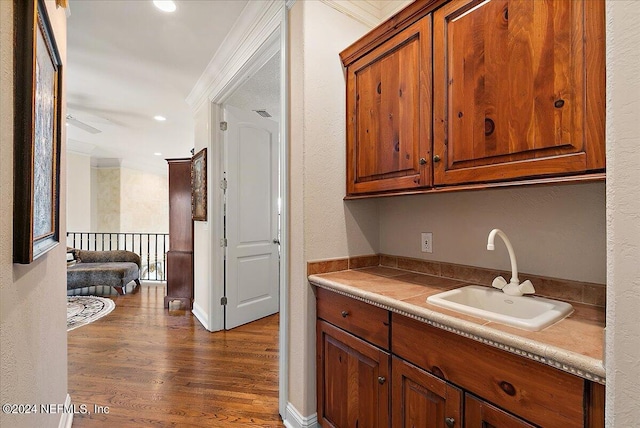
<point x="562" y="359"/>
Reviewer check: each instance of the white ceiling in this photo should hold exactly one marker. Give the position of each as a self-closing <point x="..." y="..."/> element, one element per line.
<point x="127" y="62"/>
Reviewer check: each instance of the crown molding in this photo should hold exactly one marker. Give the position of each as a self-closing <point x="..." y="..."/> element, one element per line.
<point x="369" y="12"/>
<point x="256" y="23"/>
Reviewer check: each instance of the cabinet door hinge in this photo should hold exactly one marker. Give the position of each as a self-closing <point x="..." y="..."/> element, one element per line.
<point x="223" y="300"/>
<point x="223" y="242"/>
<point x="223" y="184"/>
<point x="223" y="126"/>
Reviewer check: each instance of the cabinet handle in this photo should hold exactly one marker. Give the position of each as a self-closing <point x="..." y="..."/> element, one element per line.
<point x="489" y="127"/>
<point x="436" y="158"/>
<point x="344" y="314"/>
<point x="381" y="379"/>
<point x="450" y="422"/>
<point x="508" y="388"/>
<point x="437" y="371"/>
<point x="423" y="161"/>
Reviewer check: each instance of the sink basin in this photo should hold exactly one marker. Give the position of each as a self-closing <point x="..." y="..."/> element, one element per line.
<point x="526" y="312"/>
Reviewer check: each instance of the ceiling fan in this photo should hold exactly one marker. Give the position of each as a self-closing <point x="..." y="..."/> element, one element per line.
<point x="79" y="124"/>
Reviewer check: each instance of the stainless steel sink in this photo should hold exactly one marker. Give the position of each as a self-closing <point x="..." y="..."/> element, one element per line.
<point x="526" y="312"/>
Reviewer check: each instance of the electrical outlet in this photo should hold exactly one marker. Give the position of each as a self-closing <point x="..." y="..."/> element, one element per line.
<point x="427" y="242"/>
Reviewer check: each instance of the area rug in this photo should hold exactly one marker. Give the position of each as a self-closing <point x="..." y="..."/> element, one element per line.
<point x="82" y="310"/>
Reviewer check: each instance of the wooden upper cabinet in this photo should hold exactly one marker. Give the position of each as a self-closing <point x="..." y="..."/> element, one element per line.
<point x="518" y="89"/>
<point x="388" y="100"/>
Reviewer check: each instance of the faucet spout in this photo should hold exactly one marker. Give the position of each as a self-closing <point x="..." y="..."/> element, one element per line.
<point x="513" y="288"/>
<point x="512" y="254"/>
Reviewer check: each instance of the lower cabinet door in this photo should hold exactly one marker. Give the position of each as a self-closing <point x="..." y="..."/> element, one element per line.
<point x="480" y="414"/>
<point x="353" y="380"/>
<point x="421" y="400"/>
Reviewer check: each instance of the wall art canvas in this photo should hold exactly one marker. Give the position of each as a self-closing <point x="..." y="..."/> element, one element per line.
<point x="37" y="128"/>
<point x="199" y="186"/>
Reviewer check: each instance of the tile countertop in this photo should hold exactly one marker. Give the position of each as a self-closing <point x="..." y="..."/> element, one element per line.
<point x="574" y="345"/>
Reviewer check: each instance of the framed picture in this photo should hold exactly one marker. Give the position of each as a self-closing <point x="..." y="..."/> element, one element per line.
<point x="37" y="132"/>
<point x="199" y="186"/>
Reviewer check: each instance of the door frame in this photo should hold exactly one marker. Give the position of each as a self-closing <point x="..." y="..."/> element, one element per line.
<point x="272" y="40"/>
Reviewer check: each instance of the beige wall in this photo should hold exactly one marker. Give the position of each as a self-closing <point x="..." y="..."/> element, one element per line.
<point x="129" y="200"/>
<point x="108" y="200"/>
<point x="556" y="231"/>
<point x="321" y="224"/>
<point x="78" y="192"/>
<point x="144" y="202"/>
<point x="33" y="305"/>
<point x="94" y="199"/>
<point x="623" y="214"/>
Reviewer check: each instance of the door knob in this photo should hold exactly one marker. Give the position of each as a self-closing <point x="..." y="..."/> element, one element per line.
<point x="449" y="422"/>
<point x="381" y="379"/>
<point x="276" y="241"/>
<point x="436" y="158"/>
<point x="422" y="161"/>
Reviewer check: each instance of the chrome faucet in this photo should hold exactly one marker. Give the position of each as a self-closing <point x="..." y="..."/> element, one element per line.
<point x="514" y="287"/>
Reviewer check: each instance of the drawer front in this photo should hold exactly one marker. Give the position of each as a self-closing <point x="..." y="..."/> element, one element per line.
<point x="534" y="391"/>
<point x="361" y="319"/>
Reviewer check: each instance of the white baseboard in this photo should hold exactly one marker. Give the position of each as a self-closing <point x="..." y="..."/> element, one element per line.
<point x="200" y="315"/>
<point x="293" y="419"/>
<point x="66" y="418"/>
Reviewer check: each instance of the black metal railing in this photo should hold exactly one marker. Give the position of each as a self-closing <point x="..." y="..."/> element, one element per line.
<point x="151" y="247"/>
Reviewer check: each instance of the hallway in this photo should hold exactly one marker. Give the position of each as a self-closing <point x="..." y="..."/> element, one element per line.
<point x="153" y="367"/>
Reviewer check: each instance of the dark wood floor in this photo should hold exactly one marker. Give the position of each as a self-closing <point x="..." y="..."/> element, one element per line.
<point x="154" y="367"/>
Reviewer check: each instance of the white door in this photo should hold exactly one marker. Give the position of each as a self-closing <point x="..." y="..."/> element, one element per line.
<point x="252" y="260"/>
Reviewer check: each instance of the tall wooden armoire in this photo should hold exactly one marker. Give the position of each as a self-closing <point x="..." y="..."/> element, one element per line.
<point x="180" y="254"/>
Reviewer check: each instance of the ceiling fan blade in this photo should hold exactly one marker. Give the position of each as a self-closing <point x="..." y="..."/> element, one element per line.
<point x="75" y="122"/>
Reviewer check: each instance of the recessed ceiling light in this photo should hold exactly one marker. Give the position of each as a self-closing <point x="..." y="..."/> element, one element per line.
<point x="160" y="118"/>
<point x="158" y="154"/>
<point x="165" y="5"/>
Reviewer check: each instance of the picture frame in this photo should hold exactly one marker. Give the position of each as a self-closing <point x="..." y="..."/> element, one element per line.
<point x="37" y="133"/>
<point x="199" y="186"/>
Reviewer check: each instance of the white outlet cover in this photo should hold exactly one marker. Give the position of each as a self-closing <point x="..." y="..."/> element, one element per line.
<point x="427" y="242"/>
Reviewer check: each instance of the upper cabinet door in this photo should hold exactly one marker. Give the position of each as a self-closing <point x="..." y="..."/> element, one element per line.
<point x="389" y="114"/>
<point x="518" y="89"/>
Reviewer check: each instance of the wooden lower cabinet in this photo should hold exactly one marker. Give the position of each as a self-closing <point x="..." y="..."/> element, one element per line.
<point x="422" y="400"/>
<point x="428" y="377"/>
<point x="480" y="414"/>
<point x="419" y="399"/>
<point x="353" y="380"/>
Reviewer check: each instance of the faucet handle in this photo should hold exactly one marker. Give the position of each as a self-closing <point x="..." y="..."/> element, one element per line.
<point x="499" y="282"/>
<point x="526" y="287"/>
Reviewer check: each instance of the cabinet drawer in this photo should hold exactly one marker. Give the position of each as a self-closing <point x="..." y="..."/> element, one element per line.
<point x="534" y="391"/>
<point x="361" y="319"/>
